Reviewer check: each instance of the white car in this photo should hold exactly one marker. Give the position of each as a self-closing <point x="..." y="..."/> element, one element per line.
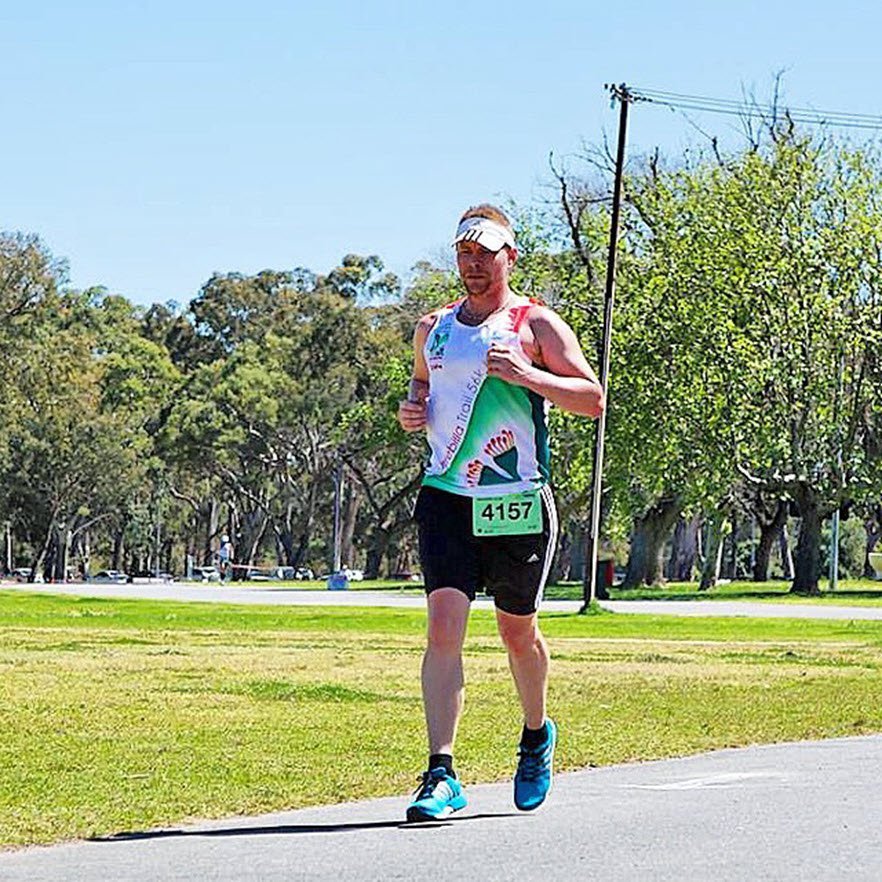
<point x="353" y="575"/>
<point x="206" y="574"/>
<point x="113" y="577"/>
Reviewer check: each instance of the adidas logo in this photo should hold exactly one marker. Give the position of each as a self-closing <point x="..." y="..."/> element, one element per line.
<point x="533" y="558"/>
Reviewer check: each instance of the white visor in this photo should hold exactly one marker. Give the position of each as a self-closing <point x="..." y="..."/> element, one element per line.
<point x="485" y="232"/>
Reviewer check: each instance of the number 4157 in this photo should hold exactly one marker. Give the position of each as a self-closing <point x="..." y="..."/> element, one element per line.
<point x="512" y="511"/>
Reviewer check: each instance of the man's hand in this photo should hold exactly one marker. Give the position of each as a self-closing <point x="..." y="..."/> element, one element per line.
<point x="412" y="412"/>
<point x="508" y="364"/>
<point x="412" y="415"/>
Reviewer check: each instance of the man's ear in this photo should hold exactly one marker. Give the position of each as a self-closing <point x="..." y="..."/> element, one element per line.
<point x="512" y="255"/>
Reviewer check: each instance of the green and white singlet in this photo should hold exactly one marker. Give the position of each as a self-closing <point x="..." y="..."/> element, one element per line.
<point x="485" y="436"/>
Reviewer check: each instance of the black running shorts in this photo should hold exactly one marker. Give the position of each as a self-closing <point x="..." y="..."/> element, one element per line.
<point x="511" y="569"/>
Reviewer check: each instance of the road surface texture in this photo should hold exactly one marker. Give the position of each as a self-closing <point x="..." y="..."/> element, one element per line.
<point x="212" y="593"/>
<point x="805" y="811"/>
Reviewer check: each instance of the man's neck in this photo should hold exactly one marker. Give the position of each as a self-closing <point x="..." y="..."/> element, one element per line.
<point x="477" y="307"/>
<point x="490" y="300"/>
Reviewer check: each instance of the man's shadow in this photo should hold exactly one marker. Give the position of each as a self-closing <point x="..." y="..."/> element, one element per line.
<point x="287" y="829"/>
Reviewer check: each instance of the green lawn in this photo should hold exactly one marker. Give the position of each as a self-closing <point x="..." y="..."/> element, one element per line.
<point x="852" y="592"/>
<point x="857" y="592"/>
<point x="122" y="715"/>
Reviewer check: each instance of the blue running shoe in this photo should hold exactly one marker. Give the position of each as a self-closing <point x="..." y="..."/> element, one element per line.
<point x="438" y="796"/>
<point x="533" y="778"/>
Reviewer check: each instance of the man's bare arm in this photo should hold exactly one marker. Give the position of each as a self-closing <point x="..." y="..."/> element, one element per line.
<point x="565" y="378"/>
<point x="412" y="412"/>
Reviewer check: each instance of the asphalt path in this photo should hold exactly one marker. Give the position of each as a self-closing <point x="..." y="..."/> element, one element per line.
<point x="804" y="811"/>
<point x="214" y="593"/>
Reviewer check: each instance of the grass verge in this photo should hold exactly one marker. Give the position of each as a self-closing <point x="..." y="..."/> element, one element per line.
<point x="853" y="592"/>
<point x="124" y="715"/>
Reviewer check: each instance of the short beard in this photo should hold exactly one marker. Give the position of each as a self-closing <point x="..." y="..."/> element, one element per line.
<point x="476" y="288"/>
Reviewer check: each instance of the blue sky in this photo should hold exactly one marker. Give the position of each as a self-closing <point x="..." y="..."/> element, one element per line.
<point x="153" y="143"/>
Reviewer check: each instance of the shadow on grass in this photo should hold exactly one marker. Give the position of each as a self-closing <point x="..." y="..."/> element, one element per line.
<point x="741" y="591"/>
<point x="843" y="595"/>
<point x="288" y="829"/>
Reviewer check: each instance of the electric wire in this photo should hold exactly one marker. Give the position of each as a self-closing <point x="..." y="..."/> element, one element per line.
<point x="743" y="110"/>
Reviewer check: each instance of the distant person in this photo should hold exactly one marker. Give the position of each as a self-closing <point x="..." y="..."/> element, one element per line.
<point x="485" y="369"/>
<point x="225" y="558"/>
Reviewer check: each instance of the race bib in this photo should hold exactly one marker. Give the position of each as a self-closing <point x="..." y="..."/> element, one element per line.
<point x="515" y="514"/>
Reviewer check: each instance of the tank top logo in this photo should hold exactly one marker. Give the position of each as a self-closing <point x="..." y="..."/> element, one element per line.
<point x="438" y="343"/>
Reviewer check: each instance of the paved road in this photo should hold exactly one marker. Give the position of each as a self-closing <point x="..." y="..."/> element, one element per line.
<point x="212" y="593"/>
<point x="807" y="811"/>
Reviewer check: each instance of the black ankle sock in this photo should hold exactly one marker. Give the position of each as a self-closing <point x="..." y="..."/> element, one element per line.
<point x="533" y="738"/>
<point x="442" y="759"/>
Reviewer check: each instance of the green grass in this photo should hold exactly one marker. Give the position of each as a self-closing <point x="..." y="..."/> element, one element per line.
<point x="122" y="715"/>
<point x="853" y="592"/>
<point x="857" y="592"/>
<point x="322" y="585"/>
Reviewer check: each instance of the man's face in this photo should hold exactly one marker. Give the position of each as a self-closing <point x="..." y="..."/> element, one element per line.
<point x="482" y="270"/>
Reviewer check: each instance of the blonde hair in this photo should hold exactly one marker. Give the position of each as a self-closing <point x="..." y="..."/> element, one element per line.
<point x="491" y="212"/>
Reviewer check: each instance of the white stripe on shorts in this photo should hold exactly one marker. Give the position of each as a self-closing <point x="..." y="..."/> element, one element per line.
<point x="548" y="499"/>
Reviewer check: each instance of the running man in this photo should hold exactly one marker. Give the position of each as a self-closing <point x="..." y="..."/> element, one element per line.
<point x="485" y="370"/>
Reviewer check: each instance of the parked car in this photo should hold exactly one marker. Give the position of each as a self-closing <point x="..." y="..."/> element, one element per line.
<point x="206" y="574"/>
<point x="353" y="575"/>
<point x="304" y="574"/>
<point x="21" y="574"/>
<point x="112" y="577"/>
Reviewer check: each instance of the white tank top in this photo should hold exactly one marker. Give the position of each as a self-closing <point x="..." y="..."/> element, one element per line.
<point x="486" y="436"/>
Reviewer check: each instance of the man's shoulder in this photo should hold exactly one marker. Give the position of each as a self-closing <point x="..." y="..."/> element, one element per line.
<point x="539" y="312"/>
<point x="428" y="320"/>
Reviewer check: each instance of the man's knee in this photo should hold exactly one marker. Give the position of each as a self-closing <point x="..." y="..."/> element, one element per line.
<point x="448" y="614"/>
<point x="520" y="634"/>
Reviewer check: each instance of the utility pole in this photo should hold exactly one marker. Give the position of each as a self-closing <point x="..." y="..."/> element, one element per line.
<point x="621" y="94"/>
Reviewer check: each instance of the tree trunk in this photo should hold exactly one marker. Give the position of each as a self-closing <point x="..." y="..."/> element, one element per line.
<point x="39" y="564"/>
<point x="729" y="563"/>
<point x="577" y="553"/>
<point x="211" y="517"/>
<point x="119" y="547"/>
<point x="80" y="549"/>
<point x="562" y="563"/>
<point x="351" y="503"/>
<point x="769" y="532"/>
<point x="61" y="542"/>
<point x="808" y="546"/>
<point x="717" y="527"/>
<point x="786" y="553"/>
<point x="378" y="545"/>
<point x="251" y="527"/>
<point x="684" y="550"/>
<point x="873" y="528"/>
<point x="647" y="543"/>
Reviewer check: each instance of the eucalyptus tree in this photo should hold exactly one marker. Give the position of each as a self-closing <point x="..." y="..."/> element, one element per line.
<point x="746" y="336"/>
<point x="384" y="463"/>
<point x="818" y="302"/>
<point x="293" y="354"/>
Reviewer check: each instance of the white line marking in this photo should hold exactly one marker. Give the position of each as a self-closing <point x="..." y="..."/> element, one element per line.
<point x="730" y="779"/>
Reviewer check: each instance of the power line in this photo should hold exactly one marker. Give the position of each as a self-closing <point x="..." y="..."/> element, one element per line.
<point x="752" y="110"/>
